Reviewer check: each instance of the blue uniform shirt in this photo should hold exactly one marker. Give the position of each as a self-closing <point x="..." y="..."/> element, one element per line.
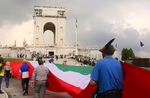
<point x="109" y="74"/>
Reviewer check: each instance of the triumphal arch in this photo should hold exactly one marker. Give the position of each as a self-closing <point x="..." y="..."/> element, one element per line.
<point x="53" y="19"/>
<point x="49" y="18"/>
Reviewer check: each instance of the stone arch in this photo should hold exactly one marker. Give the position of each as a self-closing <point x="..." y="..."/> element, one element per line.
<point x="50" y="26"/>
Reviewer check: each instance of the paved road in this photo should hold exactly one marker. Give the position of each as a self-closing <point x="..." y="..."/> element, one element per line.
<point x="15" y="91"/>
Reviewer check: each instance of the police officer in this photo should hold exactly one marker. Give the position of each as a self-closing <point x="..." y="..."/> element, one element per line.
<point x="108" y="74"/>
<point x="1" y="74"/>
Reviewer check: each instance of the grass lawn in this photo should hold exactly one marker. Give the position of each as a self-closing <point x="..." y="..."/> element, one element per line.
<point x="5" y="60"/>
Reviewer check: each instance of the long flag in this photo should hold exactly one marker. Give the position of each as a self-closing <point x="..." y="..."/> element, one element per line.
<point x="70" y="79"/>
<point x="75" y="79"/>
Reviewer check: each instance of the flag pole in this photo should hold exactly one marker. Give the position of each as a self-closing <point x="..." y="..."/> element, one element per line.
<point x="76" y="38"/>
<point x="34" y="17"/>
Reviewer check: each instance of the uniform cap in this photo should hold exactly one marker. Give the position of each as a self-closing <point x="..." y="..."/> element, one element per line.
<point x="108" y="48"/>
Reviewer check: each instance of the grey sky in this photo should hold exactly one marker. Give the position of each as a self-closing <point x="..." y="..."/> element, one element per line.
<point x="98" y="21"/>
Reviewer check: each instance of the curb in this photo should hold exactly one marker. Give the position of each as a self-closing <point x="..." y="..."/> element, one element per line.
<point x="6" y="95"/>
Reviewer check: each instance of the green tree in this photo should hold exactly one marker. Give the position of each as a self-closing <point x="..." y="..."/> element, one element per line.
<point x="124" y="54"/>
<point x="127" y="54"/>
<point x="131" y="54"/>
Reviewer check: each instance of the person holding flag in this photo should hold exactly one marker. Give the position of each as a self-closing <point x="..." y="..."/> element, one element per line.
<point x="108" y="74"/>
<point x="40" y="74"/>
<point x="24" y="70"/>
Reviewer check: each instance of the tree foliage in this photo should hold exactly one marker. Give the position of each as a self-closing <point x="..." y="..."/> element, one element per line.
<point x="127" y="54"/>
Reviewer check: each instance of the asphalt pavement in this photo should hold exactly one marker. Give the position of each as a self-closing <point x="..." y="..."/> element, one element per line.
<point x="14" y="91"/>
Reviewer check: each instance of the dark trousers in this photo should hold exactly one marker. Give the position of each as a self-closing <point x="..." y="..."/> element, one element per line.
<point x="25" y="82"/>
<point x="7" y="80"/>
<point x="1" y="78"/>
<point x="110" y="95"/>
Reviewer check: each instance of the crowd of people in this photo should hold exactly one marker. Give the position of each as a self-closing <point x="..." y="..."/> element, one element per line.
<point x="84" y="60"/>
<point x="21" y="56"/>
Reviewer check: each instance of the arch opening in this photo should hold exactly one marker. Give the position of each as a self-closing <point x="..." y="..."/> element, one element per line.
<point x="49" y="34"/>
<point x="48" y="38"/>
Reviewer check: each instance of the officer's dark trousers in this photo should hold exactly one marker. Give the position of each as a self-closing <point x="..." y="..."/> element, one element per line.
<point x="1" y="78"/>
<point x="110" y="95"/>
<point x="40" y="89"/>
<point x="25" y="82"/>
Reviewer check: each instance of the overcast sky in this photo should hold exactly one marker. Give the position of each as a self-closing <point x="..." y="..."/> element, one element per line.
<point x="98" y="21"/>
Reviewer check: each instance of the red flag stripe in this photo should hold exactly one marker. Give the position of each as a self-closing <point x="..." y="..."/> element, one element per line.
<point x="137" y="82"/>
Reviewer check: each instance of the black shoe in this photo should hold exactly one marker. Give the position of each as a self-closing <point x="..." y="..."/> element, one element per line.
<point x="1" y="92"/>
<point x="24" y="92"/>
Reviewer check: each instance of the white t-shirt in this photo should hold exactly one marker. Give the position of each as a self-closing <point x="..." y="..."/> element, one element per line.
<point x="25" y="74"/>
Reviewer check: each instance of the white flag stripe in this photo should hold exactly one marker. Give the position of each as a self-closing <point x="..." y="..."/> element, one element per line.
<point x="34" y="63"/>
<point x="74" y="78"/>
<point x="70" y="77"/>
